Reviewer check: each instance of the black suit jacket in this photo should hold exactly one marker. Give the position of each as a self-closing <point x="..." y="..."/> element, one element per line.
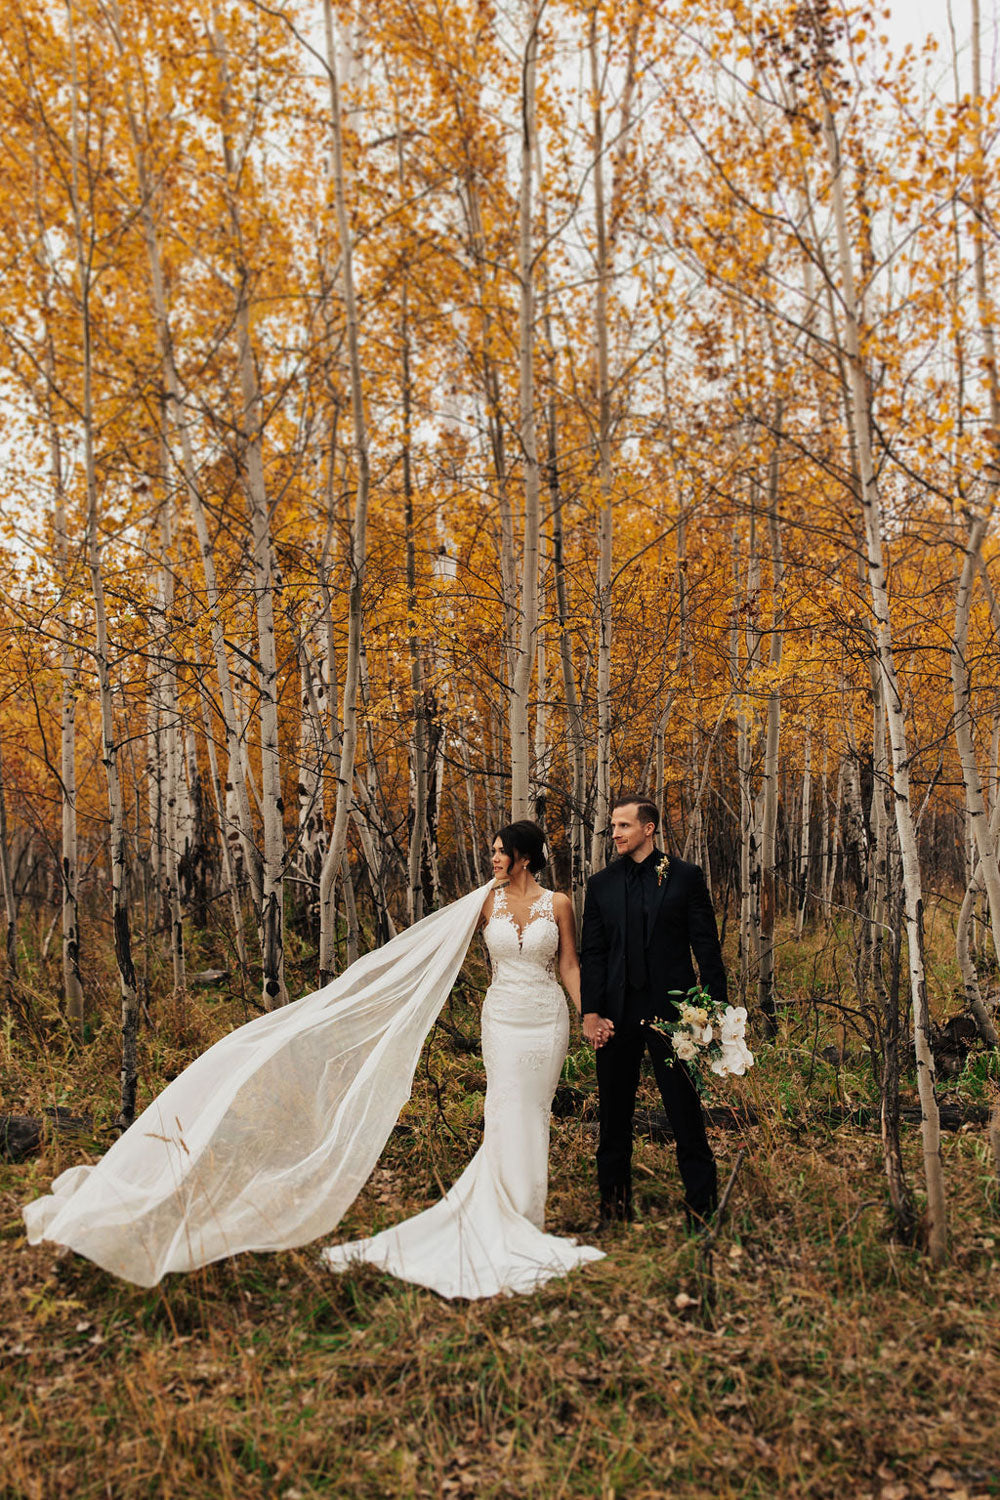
<point x="681" y="922"/>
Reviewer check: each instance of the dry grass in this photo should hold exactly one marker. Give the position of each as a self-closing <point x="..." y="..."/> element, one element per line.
<point x="834" y="1364"/>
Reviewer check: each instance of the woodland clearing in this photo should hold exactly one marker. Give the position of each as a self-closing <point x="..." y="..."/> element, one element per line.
<point x="813" y="1355"/>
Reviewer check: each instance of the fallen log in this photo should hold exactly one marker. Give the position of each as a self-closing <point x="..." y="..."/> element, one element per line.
<point x="656" y="1127"/>
<point x="22" y="1135"/>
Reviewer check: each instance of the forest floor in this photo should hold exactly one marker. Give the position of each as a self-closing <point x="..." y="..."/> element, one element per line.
<point x="812" y="1355"/>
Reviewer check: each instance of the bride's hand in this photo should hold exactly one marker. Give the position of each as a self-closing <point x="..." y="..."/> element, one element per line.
<point x="597" y="1029"/>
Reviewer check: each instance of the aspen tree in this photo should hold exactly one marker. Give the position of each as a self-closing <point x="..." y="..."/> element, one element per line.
<point x="64" y="573"/>
<point x="524" y="661"/>
<point x="768" y="814"/>
<point x="72" y="978"/>
<point x="165" y="750"/>
<point x="229" y="869"/>
<point x="348" y="729"/>
<point x="419" y="751"/>
<point x="271" y="916"/>
<point x="558" y="583"/>
<point x="604" y="242"/>
<point x="571" y="696"/>
<point x="602" y="271"/>
<point x="7" y="882"/>
<point x="987" y="862"/>
<point x="937" y="1225"/>
<point x="832" y="838"/>
<point x="805" y="831"/>
<point x="236" y="824"/>
<point x="311" y="839"/>
<point x="118" y="848"/>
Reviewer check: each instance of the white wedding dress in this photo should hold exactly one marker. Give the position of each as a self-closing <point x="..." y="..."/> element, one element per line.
<point x="486" y="1234"/>
<point x="266" y="1139"/>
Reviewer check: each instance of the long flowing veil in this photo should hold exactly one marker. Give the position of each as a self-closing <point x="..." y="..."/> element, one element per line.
<point x="266" y="1139"/>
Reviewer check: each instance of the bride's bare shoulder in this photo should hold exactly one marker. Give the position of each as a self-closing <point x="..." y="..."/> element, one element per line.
<point x="561" y="904"/>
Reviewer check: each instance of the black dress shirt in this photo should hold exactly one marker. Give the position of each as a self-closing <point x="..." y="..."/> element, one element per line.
<point x="640" y="880"/>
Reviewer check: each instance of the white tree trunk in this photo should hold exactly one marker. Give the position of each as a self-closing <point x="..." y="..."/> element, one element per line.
<point x="7" y="883"/>
<point x="524" y="662"/>
<point x="937" y="1220"/>
<point x="228" y="839"/>
<point x="769" y="788"/>
<point x="68" y="878"/>
<point x="336" y="852"/>
<point x="571" y="695"/>
<point x="806" y="832"/>
<point x="419" y="742"/>
<point x="69" y="915"/>
<point x="168" y="776"/>
<point x="985" y="842"/>
<point x="271" y="916"/>
<point x="750" y="844"/>
<point x="966" y="962"/>
<point x="311" y="831"/>
<point x="238" y="829"/>
<point x="832" y="840"/>
<point x="605" y="535"/>
<point x="101" y="652"/>
<point x="541" y="768"/>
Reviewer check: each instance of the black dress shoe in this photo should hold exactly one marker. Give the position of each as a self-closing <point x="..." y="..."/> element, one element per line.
<point x="699" y="1218"/>
<point x="616" y="1206"/>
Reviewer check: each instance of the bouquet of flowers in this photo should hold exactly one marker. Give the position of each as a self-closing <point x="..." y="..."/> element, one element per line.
<point x="704" y="1033"/>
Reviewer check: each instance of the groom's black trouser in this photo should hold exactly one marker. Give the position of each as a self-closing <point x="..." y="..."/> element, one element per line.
<point x="618" y="1063"/>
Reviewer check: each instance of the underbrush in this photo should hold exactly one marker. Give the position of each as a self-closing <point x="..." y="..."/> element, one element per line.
<point x="808" y="1355"/>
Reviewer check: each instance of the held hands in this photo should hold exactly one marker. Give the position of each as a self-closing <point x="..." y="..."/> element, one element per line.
<point x="597" y="1029"/>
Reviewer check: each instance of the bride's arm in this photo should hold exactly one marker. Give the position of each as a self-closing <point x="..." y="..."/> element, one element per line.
<point x="569" y="963"/>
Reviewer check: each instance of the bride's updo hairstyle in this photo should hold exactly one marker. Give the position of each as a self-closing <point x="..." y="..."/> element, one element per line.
<point x="526" y="839"/>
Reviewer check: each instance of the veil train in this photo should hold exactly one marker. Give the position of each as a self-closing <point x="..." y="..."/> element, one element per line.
<point x="267" y="1138"/>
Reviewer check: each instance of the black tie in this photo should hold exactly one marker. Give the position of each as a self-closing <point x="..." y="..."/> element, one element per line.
<point x="638" y="974"/>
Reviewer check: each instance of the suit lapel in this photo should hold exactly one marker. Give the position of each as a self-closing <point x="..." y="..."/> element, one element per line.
<point x="658" y="895"/>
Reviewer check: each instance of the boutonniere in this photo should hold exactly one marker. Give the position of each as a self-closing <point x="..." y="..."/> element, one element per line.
<point x="662" y="868"/>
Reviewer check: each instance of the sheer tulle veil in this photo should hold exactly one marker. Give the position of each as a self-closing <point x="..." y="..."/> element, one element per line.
<point x="266" y="1139"/>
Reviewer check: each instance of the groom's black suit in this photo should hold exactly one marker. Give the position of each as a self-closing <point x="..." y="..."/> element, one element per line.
<point x="641" y="924"/>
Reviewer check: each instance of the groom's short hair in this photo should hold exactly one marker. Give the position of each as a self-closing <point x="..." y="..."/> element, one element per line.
<point x="647" y="811"/>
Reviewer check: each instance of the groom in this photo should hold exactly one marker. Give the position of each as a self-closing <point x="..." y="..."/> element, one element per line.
<point x="643" y="917"/>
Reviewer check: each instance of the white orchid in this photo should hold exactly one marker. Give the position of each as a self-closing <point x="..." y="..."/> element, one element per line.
<point x="705" y="1034"/>
<point x="734" y="1060"/>
<point x="733" y="1024"/>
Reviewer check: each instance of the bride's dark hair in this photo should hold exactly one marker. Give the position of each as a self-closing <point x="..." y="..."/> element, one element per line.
<point x="524" y="838"/>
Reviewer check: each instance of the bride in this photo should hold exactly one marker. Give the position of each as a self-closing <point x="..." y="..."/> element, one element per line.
<point x="485" y="1235"/>
<point x="266" y="1139"/>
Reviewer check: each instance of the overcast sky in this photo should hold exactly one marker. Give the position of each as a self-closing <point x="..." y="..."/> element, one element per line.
<point x="913" y="20"/>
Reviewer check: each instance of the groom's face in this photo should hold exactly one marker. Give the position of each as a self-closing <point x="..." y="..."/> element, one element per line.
<point x="631" y="836"/>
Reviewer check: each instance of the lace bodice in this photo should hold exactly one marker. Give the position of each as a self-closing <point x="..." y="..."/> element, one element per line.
<point x="535" y="947"/>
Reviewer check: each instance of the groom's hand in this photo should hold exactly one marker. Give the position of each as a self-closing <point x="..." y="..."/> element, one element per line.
<point x="597" y="1029"/>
